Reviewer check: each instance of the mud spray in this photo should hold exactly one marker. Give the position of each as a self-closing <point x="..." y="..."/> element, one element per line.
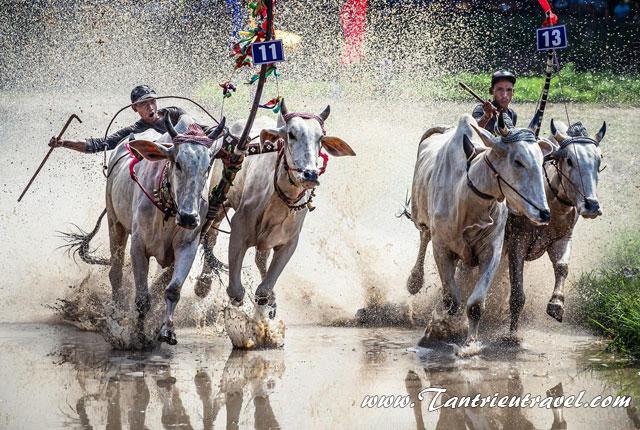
<point x="354" y="254"/>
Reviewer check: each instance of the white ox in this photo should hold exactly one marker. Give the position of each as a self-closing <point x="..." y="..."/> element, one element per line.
<point x="269" y="196"/>
<point x="173" y="175"/>
<point x="457" y="203"/>
<point x="571" y="188"/>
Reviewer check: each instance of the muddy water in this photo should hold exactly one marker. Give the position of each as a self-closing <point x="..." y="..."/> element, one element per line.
<point x="58" y="377"/>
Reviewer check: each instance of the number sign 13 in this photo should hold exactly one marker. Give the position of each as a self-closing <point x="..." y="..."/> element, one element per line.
<point x="551" y="38"/>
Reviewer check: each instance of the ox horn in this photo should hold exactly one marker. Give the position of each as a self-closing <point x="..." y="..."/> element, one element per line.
<point x="167" y="122"/>
<point x="216" y="132"/>
<point x="283" y="108"/>
<point x="325" y="113"/>
<point x="557" y="134"/>
<point x="601" y="132"/>
<point x="533" y="125"/>
<point x="502" y="128"/>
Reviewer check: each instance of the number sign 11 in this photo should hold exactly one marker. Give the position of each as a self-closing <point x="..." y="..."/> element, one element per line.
<point x="551" y="38"/>
<point x="267" y="52"/>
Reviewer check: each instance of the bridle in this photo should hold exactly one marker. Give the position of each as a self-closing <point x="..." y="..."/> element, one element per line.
<point x="549" y="159"/>
<point x="293" y="203"/>
<point x="499" y="178"/>
<point x="162" y="197"/>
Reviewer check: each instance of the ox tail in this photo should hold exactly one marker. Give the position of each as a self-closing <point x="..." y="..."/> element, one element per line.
<point x="439" y="129"/>
<point x="405" y="212"/>
<point x="78" y="244"/>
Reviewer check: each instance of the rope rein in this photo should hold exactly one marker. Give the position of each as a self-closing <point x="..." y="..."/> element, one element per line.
<point x="583" y="140"/>
<point x="500" y="180"/>
<point x="293" y="204"/>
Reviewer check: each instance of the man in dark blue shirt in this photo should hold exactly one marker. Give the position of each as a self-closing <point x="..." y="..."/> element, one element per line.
<point x="502" y="83"/>
<point x="144" y="104"/>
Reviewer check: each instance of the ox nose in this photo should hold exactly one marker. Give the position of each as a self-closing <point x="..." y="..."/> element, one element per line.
<point x="592" y="206"/>
<point x="188" y="220"/>
<point x="310" y="175"/>
<point x="545" y="215"/>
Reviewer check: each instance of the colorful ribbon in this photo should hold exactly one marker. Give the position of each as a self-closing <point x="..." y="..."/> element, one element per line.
<point x="273" y="104"/>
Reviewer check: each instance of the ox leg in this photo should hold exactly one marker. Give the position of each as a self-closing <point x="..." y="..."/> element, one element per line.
<point x="184" y="261"/>
<point x="140" y="265"/>
<point x="475" y="304"/>
<point x="209" y="266"/>
<point x="237" y="250"/>
<point x="517" y="252"/>
<point x="261" y="262"/>
<point x="264" y="293"/>
<point x="559" y="253"/>
<point x="117" y="243"/>
<point x="446" y="263"/>
<point x="416" y="278"/>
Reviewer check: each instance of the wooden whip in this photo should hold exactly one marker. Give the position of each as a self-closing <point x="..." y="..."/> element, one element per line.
<point x="46" y="157"/>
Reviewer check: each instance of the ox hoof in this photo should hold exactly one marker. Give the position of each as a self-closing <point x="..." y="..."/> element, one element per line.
<point x="167" y="335"/>
<point x="269" y="309"/>
<point x="235" y="302"/>
<point x="233" y="298"/>
<point x="470" y="348"/>
<point x="556" y="311"/>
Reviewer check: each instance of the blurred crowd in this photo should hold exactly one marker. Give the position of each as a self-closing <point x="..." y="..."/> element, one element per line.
<point x="614" y="9"/>
<point x="611" y="9"/>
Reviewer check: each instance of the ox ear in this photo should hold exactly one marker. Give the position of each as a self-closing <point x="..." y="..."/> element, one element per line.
<point x="150" y="150"/>
<point x="546" y="146"/>
<point x="271" y="134"/>
<point x="491" y="141"/>
<point x="469" y="148"/>
<point x="601" y="133"/>
<point x="336" y="146"/>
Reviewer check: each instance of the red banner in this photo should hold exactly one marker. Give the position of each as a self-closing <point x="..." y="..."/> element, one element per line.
<point x="551" y="19"/>
<point x="353" y="18"/>
<point x="545" y="5"/>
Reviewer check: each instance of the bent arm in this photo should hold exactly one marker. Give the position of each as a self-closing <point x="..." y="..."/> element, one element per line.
<point x="483" y="114"/>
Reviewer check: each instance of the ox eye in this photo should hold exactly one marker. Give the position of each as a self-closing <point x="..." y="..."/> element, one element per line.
<point x="519" y="164"/>
<point x="178" y="167"/>
<point x="569" y="162"/>
<point x="291" y="136"/>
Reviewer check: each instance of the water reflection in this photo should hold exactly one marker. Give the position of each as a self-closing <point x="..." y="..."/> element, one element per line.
<point x="330" y="371"/>
<point x="137" y="391"/>
<point x="246" y="369"/>
<point x="468" y="383"/>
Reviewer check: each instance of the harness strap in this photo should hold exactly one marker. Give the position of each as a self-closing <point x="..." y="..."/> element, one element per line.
<point x="470" y="183"/>
<point x="555" y="193"/>
<point x="167" y="211"/>
<point x="500" y="178"/>
<point x="291" y="203"/>
<point x="303" y="115"/>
